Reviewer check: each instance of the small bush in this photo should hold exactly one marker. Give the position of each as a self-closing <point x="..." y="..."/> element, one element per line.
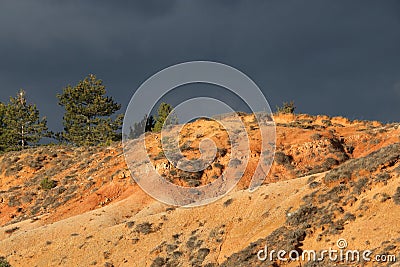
<point x="158" y="262"/>
<point x="186" y="175"/>
<point x="144" y="228"/>
<point x="201" y="255"/>
<point x="4" y="263"/>
<point x="47" y="184"/>
<point x="186" y="146"/>
<point x="360" y="185"/>
<point x="11" y="230"/>
<point x="160" y="155"/>
<point x="327" y="122"/>
<point x="314" y="184"/>
<point x="385" y="197"/>
<point x="383" y="177"/>
<point x="311" y="179"/>
<point x="286" y="108"/>
<point x="330" y="162"/>
<point x="303" y="215"/>
<point x="397" y="170"/>
<point x="396" y="196"/>
<point x="316" y="136"/>
<point x="282" y="159"/>
<point x="349" y="217"/>
<point x="130" y="224"/>
<point x="235" y="162"/>
<point x="222" y="151"/>
<point x="338" y="175"/>
<point x="228" y="202"/>
<point x="218" y="165"/>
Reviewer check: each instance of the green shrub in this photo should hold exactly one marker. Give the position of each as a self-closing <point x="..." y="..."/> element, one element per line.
<point x="4" y="263"/>
<point x="47" y="184"/>
<point x="286" y="108"/>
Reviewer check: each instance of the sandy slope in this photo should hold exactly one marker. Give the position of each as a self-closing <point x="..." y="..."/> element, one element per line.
<point x="87" y="238"/>
<point x="96" y="214"/>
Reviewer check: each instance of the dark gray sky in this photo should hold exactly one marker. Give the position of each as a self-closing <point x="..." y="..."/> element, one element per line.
<point x="331" y="57"/>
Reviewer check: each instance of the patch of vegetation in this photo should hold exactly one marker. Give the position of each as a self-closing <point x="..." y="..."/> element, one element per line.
<point x="382" y="177"/>
<point x="158" y="262"/>
<point x="145" y="228"/>
<point x="330" y="163"/>
<point x="396" y="196"/>
<point x="228" y="202"/>
<point x="387" y="156"/>
<point x="282" y="159"/>
<point x="160" y="155"/>
<point x="286" y="108"/>
<point x="327" y="122"/>
<point x="130" y="224"/>
<point x="316" y="136"/>
<point x="200" y="257"/>
<point x="186" y="146"/>
<point x="314" y="184"/>
<point x="193" y="242"/>
<point x="4" y="262"/>
<point x="385" y="197"/>
<point x="302" y="215"/>
<point x="11" y="230"/>
<point x="222" y="151"/>
<point x="218" y="165"/>
<point x="360" y="185"/>
<point x="235" y="163"/>
<point x="47" y="184"/>
<point x="335" y="194"/>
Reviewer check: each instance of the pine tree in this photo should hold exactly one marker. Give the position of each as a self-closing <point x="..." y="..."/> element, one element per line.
<point x="162" y="114"/>
<point x="87" y="114"/>
<point x="145" y="125"/>
<point x="22" y="126"/>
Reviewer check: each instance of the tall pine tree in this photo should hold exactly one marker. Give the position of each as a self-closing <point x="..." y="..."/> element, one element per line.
<point x="145" y="125"/>
<point x="162" y="115"/>
<point x="21" y="124"/>
<point x="88" y="111"/>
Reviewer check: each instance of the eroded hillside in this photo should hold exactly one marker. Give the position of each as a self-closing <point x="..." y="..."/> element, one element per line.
<point x="332" y="178"/>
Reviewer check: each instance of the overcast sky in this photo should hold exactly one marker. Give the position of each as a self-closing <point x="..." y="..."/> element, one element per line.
<point x="330" y="57"/>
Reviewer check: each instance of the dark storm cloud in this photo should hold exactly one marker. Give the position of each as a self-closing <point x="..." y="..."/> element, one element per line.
<point x="331" y="57"/>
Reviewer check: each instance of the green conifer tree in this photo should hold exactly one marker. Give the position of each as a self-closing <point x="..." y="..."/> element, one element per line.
<point x="162" y="114"/>
<point x="145" y="125"/>
<point x="88" y="111"/>
<point x="21" y="124"/>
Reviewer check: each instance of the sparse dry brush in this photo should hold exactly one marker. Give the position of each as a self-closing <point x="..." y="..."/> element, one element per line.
<point x="396" y="196"/>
